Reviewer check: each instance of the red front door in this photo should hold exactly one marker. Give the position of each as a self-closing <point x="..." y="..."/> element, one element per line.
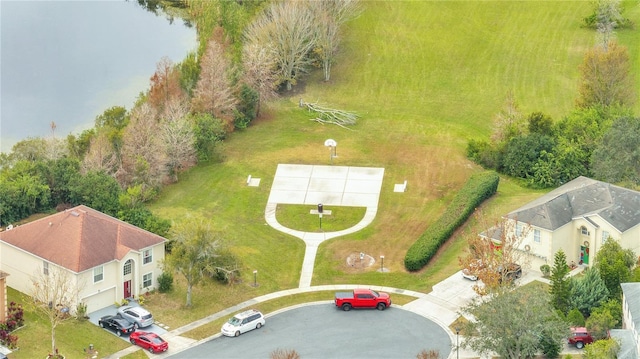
<point x="127" y="289"/>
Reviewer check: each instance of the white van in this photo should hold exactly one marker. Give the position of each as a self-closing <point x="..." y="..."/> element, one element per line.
<point x="243" y="322"/>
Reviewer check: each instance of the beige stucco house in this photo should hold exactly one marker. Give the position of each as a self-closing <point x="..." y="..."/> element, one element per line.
<point x="108" y="259"/>
<point x="578" y="218"/>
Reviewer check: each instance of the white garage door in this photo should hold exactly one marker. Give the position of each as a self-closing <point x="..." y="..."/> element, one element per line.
<point x="100" y="300"/>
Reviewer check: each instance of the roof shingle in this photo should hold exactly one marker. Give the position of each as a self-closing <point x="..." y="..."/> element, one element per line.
<point x="582" y="197"/>
<point x="79" y="238"/>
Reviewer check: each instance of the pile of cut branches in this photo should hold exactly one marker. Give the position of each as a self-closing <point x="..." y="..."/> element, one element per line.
<point x="330" y="115"/>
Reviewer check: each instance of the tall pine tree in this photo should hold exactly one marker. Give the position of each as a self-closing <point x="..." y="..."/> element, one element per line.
<point x="560" y="283"/>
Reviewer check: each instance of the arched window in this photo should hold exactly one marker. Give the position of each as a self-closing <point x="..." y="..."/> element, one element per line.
<point x="127" y="267"/>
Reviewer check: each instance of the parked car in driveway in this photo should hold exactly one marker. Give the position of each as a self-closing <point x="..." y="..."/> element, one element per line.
<point x="150" y="341"/>
<point x="580" y="336"/>
<point x="510" y="272"/>
<point x="466" y="273"/>
<point x="243" y="322"/>
<point x="140" y="317"/>
<point x="116" y="323"/>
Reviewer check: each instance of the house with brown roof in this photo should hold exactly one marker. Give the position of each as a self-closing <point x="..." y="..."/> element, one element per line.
<point x="107" y="258"/>
<point x="577" y="217"/>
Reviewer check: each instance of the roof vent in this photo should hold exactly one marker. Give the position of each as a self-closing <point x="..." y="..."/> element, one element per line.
<point x="75" y="214"/>
<point x="50" y="224"/>
<point x="9" y="227"/>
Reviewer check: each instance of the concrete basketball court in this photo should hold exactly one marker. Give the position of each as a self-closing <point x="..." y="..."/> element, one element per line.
<point x="331" y="186"/>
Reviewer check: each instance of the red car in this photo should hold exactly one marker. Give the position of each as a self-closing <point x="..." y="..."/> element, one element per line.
<point x="579" y="337"/>
<point x="150" y="341"/>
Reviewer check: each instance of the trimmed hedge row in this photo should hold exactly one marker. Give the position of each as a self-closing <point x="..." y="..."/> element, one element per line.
<point x="478" y="188"/>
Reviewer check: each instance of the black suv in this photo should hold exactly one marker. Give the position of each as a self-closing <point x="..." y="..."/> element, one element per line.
<point x="510" y="272"/>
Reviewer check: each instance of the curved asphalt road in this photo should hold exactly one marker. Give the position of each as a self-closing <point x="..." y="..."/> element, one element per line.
<point x="320" y="330"/>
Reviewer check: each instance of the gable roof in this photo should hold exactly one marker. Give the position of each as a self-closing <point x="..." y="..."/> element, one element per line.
<point x="582" y="197"/>
<point x="79" y="238"/>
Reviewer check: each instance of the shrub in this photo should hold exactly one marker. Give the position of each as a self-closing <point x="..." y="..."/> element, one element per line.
<point x="478" y="188"/>
<point x="431" y="354"/>
<point x="546" y="270"/>
<point x="550" y="348"/>
<point x="81" y="312"/>
<point x="165" y="282"/>
<point x="575" y="318"/>
<point x="15" y="320"/>
<point x="247" y="108"/>
<point x="15" y="316"/>
<point x="284" y="354"/>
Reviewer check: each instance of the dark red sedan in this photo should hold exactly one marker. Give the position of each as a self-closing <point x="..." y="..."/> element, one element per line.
<point x="150" y="341"/>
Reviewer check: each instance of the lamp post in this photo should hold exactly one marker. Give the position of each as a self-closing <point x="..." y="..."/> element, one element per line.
<point x="320" y="210"/>
<point x="381" y="263"/>
<point x="255" y="278"/>
<point x="457" y="343"/>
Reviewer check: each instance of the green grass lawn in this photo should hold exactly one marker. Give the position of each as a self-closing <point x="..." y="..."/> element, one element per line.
<point x="300" y="217"/>
<point x="425" y="76"/>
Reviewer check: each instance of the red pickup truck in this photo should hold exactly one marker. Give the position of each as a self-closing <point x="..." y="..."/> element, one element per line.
<point x="362" y="298"/>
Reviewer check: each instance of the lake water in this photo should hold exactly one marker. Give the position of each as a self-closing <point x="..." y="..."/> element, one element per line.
<point x="68" y="61"/>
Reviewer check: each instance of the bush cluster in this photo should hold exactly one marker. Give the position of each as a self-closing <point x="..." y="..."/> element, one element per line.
<point x="478" y="188"/>
<point x="15" y="320"/>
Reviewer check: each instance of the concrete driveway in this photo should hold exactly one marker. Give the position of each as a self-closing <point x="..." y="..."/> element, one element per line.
<point x="157" y="328"/>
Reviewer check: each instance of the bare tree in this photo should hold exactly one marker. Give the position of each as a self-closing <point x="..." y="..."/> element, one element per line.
<point x="493" y="250"/>
<point x="179" y="141"/>
<point x="101" y="156"/>
<point x="175" y="109"/>
<point x="509" y="122"/>
<point x="330" y="15"/>
<point x="54" y="295"/>
<point x="143" y="156"/>
<point x="214" y="93"/>
<point x="287" y="27"/>
<point x="259" y="71"/>
<point x="608" y="17"/>
<point x="56" y="147"/>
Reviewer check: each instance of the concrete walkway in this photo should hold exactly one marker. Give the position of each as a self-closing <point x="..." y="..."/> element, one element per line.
<point x="331" y="186"/>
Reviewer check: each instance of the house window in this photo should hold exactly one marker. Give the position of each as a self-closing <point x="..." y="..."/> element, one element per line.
<point x="147" y="280"/>
<point x="127" y="268"/>
<point x="605" y="236"/>
<point x="147" y="256"/>
<point x="518" y="229"/>
<point x="98" y="274"/>
<point x="536" y="235"/>
<point x="45" y="268"/>
<point x="584" y="231"/>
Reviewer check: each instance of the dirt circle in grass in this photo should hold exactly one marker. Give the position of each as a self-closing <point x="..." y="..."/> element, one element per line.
<point x="359" y="260"/>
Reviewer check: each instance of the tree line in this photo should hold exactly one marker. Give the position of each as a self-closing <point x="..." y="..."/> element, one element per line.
<point x="249" y="53"/>
<point x="595" y="140"/>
